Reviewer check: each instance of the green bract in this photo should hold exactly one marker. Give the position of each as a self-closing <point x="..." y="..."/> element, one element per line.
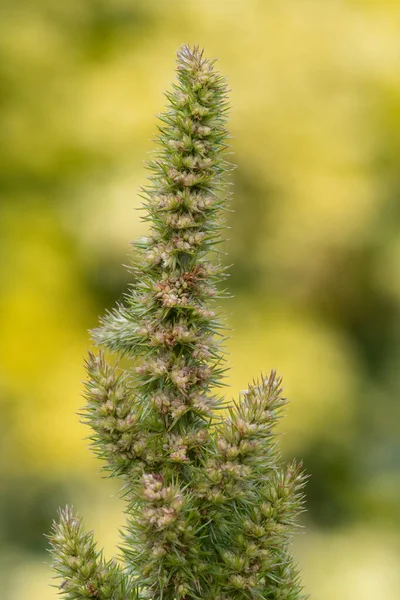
<point x="210" y="510"/>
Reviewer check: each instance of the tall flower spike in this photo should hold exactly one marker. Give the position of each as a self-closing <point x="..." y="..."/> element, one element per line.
<point x="210" y="509"/>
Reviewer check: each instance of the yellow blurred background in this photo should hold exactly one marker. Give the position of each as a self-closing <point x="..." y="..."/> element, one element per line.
<point x="315" y="242"/>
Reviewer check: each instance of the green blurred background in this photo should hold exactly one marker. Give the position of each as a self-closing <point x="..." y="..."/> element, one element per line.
<point x="315" y="242"/>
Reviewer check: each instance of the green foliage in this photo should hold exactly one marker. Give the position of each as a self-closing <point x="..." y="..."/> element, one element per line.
<point x="210" y="509"/>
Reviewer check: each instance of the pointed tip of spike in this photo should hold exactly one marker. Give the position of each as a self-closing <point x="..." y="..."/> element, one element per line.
<point x="190" y="57"/>
<point x="190" y="52"/>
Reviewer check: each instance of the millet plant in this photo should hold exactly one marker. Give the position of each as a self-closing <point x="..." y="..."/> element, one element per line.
<point x="210" y="509"/>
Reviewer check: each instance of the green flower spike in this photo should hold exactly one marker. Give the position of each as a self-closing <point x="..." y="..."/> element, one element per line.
<point x="210" y="511"/>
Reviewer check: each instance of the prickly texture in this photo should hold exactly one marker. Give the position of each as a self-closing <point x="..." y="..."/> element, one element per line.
<point x="210" y="509"/>
<point x="81" y="567"/>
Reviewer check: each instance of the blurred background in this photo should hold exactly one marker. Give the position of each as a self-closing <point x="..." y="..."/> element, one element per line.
<point x="315" y="242"/>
